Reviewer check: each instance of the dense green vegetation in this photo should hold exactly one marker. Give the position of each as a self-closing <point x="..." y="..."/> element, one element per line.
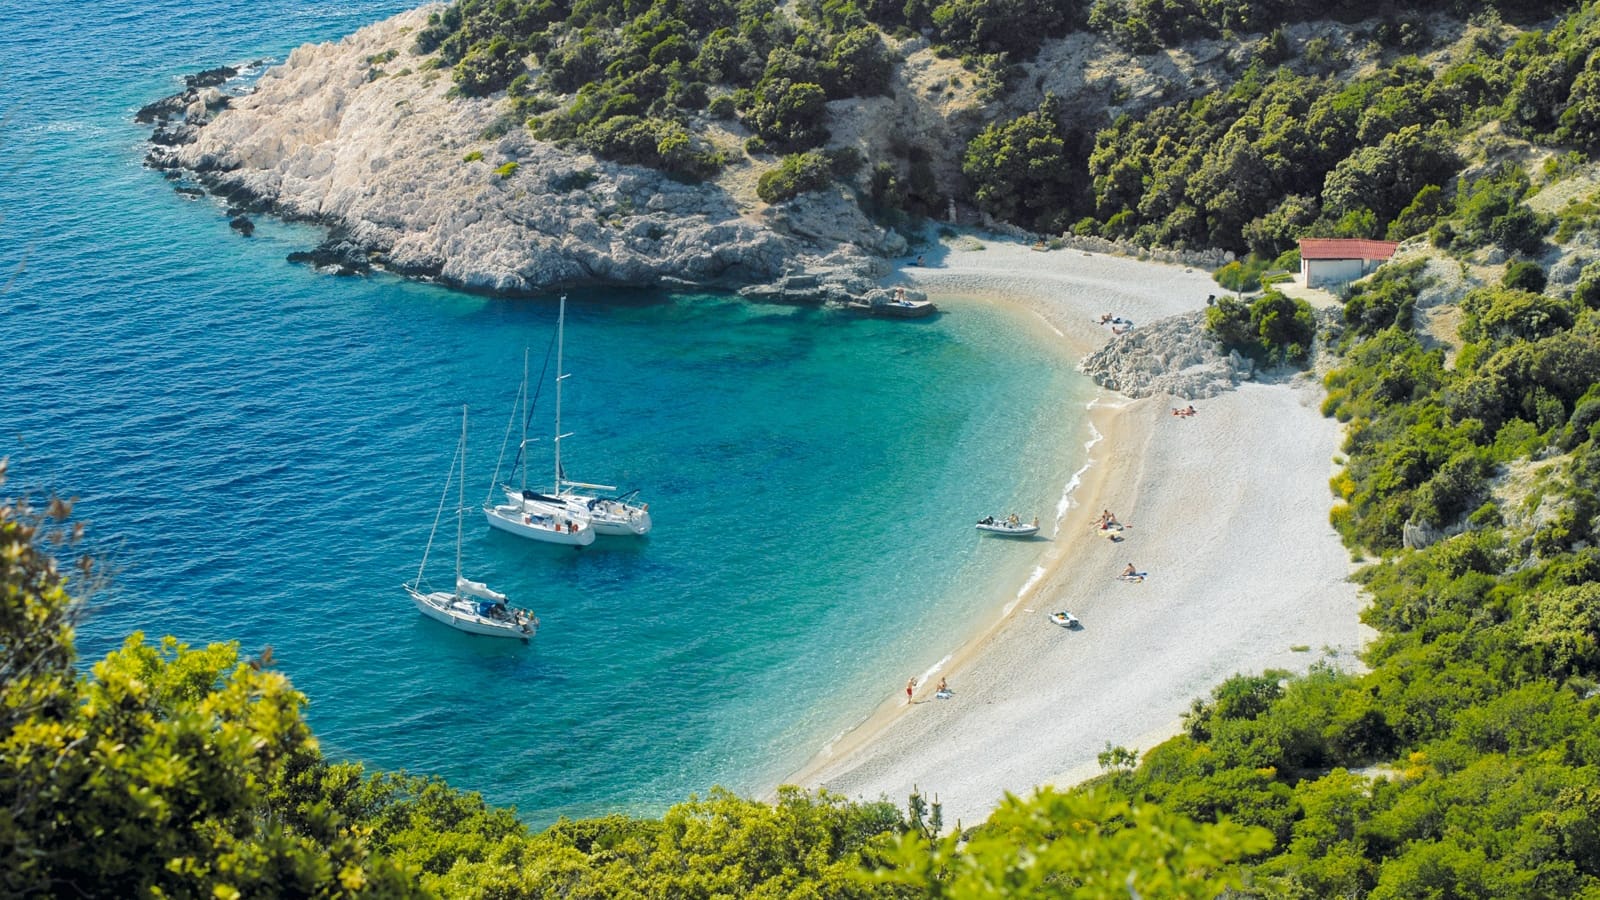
<point x="1467" y="762"/>
<point x="1284" y="147"/>
<point x="636" y="73"/>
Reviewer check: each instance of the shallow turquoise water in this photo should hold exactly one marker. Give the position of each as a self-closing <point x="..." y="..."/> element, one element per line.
<point x="259" y="450"/>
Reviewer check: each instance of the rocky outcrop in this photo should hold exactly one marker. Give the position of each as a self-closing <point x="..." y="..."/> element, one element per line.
<point x="1172" y="356"/>
<point x="451" y="189"/>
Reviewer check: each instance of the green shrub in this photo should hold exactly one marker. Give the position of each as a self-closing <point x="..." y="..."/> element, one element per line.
<point x="1524" y="276"/>
<point x="1387" y="299"/>
<point x="507" y="170"/>
<point x="573" y="181"/>
<point x="795" y="174"/>
<point x="488" y="67"/>
<point x="722" y="106"/>
<point x="1243" y="275"/>
<point x="473" y="156"/>
<point x="1273" y="330"/>
<point x="788" y="115"/>
<point x="1500" y="315"/>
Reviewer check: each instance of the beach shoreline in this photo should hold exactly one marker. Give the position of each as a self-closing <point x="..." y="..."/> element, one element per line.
<point x="1245" y="573"/>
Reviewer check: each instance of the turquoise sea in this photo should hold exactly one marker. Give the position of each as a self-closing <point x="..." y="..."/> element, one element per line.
<point x="259" y="451"/>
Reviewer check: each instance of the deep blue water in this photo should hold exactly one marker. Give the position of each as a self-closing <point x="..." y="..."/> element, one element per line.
<point x="259" y="451"/>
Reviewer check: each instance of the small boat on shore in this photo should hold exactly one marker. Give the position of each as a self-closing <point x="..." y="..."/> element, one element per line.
<point x="899" y="306"/>
<point x="1009" y="526"/>
<point x="903" y="308"/>
<point x="1065" y="619"/>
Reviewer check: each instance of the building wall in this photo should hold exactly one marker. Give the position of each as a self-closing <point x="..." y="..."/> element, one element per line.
<point x="1331" y="272"/>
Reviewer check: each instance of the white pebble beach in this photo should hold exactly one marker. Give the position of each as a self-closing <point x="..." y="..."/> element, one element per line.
<point x="1226" y="512"/>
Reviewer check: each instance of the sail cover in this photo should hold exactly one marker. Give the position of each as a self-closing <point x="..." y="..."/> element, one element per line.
<point x="479" y="589"/>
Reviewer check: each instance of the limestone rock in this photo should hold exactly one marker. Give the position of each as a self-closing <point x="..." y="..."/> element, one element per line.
<point x="433" y="186"/>
<point x="1172" y="356"/>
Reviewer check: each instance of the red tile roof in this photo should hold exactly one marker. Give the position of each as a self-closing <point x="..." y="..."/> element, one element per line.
<point x="1346" y="248"/>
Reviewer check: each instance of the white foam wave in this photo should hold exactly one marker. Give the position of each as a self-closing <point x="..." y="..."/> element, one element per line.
<point x="1034" y="577"/>
<point x="933" y="670"/>
<point x="1066" y="502"/>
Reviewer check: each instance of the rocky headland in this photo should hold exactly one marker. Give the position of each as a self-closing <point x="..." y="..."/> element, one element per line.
<point x="359" y="137"/>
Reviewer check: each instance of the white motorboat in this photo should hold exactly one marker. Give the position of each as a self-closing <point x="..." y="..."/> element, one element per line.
<point x="613" y="514"/>
<point x="1008" y="526"/>
<point x="1065" y="619"/>
<point x="471" y="606"/>
<point x="527" y="513"/>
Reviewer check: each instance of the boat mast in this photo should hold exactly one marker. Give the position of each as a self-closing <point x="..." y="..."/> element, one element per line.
<point x="561" y="331"/>
<point x="461" y="496"/>
<point x="522" y="448"/>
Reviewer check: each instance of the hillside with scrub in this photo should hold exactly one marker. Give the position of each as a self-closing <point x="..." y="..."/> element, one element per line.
<point x="1463" y="761"/>
<point x="1238" y="126"/>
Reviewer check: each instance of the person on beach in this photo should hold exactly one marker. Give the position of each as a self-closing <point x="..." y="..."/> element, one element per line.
<point x="943" y="688"/>
<point x="911" y="685"/>
<point x="1130" y="572"/>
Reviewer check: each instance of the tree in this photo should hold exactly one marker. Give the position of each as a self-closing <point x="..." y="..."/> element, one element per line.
<point x="789" y="115"/>
<point x="1081" y="844"/>
<point x="1387" y="177"/>
<point x="168" y="771"/>
<point x="803" y="845"/>
<point x="859" y="65"/>
<point x="1023" y="171"/>
<point x="1274" y="328"/>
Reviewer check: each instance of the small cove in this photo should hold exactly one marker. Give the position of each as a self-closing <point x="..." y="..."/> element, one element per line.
<point x="259" y="450"/>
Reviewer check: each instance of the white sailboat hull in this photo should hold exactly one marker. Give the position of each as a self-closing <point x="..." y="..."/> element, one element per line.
<point x="525" y="520"/>
<point x="609" y="517"/>
<point x="462" y="614"/>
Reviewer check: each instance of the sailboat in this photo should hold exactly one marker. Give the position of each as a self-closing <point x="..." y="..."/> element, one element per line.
<point x="527" y="513"/>
<point x="614" y="514"/>
<point x="472" y="606"/>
